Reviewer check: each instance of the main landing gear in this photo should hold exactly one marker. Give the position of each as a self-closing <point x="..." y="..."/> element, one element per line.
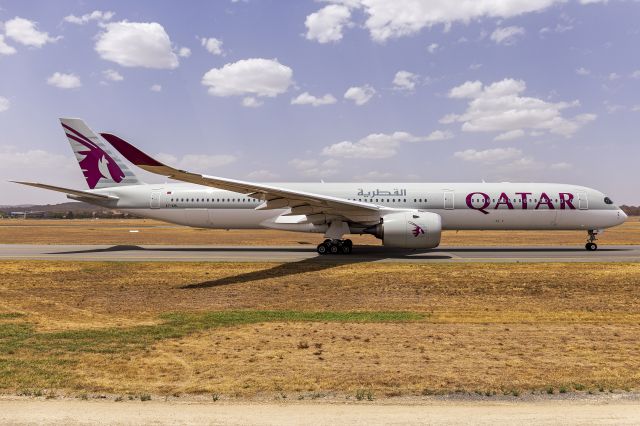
<point x="591" y="245"/>
<point x="335" y="247"/>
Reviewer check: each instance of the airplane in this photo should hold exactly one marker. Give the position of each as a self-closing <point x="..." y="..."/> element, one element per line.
<point x="402" y="215"/>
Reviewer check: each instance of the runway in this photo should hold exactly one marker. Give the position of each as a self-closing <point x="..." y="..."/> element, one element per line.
<point x="122" y="253"/>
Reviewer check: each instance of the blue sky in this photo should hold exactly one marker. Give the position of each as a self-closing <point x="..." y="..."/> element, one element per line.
<point x="393" y="90"/>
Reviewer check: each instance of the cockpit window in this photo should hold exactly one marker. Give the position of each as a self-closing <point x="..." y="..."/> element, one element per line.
<point x="607" y="200"/>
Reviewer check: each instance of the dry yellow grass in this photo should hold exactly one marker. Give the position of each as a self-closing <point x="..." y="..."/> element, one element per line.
<point x="389" y="359"/>
<point x="488" y="327"/>
<point x="87" y="231"/>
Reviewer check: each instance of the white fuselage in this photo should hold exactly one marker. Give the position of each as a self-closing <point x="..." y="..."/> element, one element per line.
<point x="507" y="206"/>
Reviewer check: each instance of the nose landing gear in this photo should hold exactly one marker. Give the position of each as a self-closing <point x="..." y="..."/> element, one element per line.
<point x="591" y="245"/>
<point x="335" y="247"/>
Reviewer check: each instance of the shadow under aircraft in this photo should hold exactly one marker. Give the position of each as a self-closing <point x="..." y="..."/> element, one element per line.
<point x="313" y="264"/>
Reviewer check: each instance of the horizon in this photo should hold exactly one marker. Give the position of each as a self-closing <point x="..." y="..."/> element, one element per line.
<point x="340" y="91"/>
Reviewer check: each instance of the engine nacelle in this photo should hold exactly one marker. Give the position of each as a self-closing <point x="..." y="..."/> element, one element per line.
<point x="418" y="230"/>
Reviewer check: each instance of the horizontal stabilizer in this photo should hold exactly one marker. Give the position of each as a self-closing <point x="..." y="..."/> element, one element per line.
<point x="75" y="192"/>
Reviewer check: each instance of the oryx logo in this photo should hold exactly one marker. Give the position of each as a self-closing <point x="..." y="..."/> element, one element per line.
<point x="417" y="229"/>
<point x="96" y="164"/>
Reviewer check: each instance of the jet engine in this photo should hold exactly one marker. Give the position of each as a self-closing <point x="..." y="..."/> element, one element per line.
<point x="416" y="230"/>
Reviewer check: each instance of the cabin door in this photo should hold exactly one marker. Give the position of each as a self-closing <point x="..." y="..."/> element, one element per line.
<point x="154" y="202"/>
<point x="583" y="202"/>
<point x="448" y="200"/>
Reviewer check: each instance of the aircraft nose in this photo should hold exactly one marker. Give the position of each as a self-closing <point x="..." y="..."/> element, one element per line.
<point x="622" y="215"/>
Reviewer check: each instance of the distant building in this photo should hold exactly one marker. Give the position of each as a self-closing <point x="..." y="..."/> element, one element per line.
<point x="29" y="214"/>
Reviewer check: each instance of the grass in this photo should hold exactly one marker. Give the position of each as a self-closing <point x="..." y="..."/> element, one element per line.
<point x="241" y="329"/>
<point x="29" y="357"/>
<point x="20" y="337"/>
<point x="10" y="315"/>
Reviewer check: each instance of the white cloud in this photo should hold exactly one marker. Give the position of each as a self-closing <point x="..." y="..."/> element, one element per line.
<point x="405" y="80"/>
<point x="39" y="166"/>
<point x="375" y="145"/>
<point x="635" y="74"/>
<point x="500" y="107"/>
<point x="635" y="108"/>
<point x="184" y="52"/>
<point x="360" y="95"/>
<point x="302" y="164"/>
<point x="326" y="25"/>
<point x="137" y="44"/>
<point x="251" y="102"/>
<point x="469" y="89"/>
<point x="613" y="108"/>
<point x="262" y="175"/>
<point x="432" y="48"/>
<point x="64" y="81"/>
<point x="582" y="71"/>
<point x="5" y="49"/>
<point x="4" y="104"/>
<point x="559" y="28"/>
<point x="507" y="35"/>
<point x="392" y="19"/>
<point x="439" y="135"/>
<point x="156" y="88"/>
<point x="613" y="76"/>
<point x="374" y="176"/>
<point x="510" y="135"/>
<point x="315" y="168"/>
<point x="213" y="45"/>
<point x="196" y="162"/>
<point x="112" y="75"/>
<point x="255" y="76"/>
<point x="561" y="166"/>
<point x="26" y="32"/>
<point x="449" y="118"/>
<point x="488" y="156"/>
<point x="96" y="15"/>
<point x="308" y="99"/>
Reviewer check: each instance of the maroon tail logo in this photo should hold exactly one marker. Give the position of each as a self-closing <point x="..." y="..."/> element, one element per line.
<point x="96" y="163"/>
<point x="417" y="229"/>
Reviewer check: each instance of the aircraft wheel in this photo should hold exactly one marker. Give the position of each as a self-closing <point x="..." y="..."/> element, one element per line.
<point x="591" y="246"/>
<point x="348" y="243"/>
<point x="322" y="249"/>
<point x="345" y="249"/>
<point x="334" y="249"/>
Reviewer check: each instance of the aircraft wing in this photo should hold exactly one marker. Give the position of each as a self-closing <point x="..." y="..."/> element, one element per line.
<point x="302" y="203"/>
<point x="74" y="192"/>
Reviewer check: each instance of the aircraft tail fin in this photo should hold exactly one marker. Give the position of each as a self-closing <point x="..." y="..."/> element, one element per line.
<point x="102" y="168"/>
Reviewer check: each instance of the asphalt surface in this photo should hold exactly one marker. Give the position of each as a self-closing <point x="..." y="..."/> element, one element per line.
<point x="625" y="253"/>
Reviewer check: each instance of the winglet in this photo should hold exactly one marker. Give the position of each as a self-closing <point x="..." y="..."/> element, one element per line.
<point x="130" y="152"/>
